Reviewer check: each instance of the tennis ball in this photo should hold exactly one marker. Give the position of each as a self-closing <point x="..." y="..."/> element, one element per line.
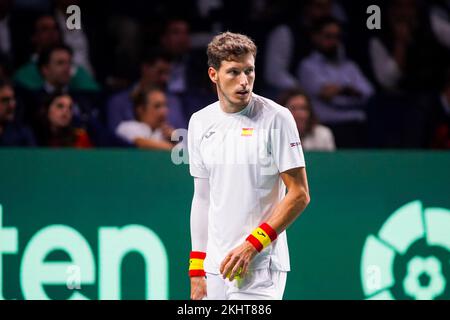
<point x="237" y="276"/>
<point x="239" y="279"/>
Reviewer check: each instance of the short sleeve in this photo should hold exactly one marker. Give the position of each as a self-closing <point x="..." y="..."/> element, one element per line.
<point x="285" y="145"/>
<point x="196" y="165"/>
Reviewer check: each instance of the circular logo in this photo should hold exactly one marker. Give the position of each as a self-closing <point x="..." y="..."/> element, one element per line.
<point x="409" y="258"/>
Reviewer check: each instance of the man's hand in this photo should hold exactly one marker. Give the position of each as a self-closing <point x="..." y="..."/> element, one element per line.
<point x="238" y="258"/>
<point x="198" y="288"/>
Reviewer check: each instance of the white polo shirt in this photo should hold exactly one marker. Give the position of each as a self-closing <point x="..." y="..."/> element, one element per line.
<point x="242" y="155"/>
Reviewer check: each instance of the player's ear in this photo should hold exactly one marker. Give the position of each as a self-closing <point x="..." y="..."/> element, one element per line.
<point x="212" y="74"/>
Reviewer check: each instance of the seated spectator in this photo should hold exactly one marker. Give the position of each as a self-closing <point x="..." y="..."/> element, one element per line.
<point x="338" y="89"/>
<point x="46" y="34"/>
<point x="187" y="81"/>
<point x="290" y="41"/>
<point x="155" y="71"/>
<point x="175" y="40"/>
<point x="149" y="130"/>
<point x="54" y="124"/>
<point x="313" y="135"/>
<point x="54" y="65"/>
<point x="12" y="133"/>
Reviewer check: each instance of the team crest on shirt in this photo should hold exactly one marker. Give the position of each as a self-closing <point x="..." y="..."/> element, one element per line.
<point x="247" y="132"/>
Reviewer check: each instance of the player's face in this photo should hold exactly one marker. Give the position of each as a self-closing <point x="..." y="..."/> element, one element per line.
<point x="234" y="81"/>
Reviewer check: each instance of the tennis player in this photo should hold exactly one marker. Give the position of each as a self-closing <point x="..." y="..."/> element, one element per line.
<point x="244" y="151"/>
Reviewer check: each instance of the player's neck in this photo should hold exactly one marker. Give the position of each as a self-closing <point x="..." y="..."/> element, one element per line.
<point x="228" y="107"/>
<point x="231" y="108"/>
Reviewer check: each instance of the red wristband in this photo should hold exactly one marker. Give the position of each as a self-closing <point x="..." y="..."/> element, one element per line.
<point x="262" y="236"/>
<point x="196" y="259"/>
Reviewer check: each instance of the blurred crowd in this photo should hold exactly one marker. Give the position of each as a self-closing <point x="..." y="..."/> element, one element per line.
<point x="136" y="70"/>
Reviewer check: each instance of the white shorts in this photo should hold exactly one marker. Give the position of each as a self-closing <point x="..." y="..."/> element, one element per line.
<point x="261" y="284"/>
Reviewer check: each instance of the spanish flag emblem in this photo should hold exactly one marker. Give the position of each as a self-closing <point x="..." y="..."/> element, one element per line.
<point x="247" y="132"/>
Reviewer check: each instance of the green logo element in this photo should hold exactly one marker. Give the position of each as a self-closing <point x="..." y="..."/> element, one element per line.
<point x="410" y="256"/>
<point x="419" y="266"/>
<point x="114" y="245"/>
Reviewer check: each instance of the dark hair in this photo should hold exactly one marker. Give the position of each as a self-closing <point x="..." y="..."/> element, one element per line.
<point x="288" y="94"/>
<point x="321" y="23"/>
<point x="66" y="137"/>
<point x="46" y="54"/>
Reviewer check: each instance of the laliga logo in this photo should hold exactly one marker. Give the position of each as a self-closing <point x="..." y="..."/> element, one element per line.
<point x="114" y="244"/>
<point x="410" y="256"/>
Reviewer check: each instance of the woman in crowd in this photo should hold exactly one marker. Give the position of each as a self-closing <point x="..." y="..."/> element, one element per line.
<point x="313" y="135"/>
<point x="54" y="127"/>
